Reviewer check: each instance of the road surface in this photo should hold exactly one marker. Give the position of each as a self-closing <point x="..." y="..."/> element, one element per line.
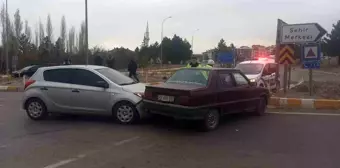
<point x="242" y="141"/>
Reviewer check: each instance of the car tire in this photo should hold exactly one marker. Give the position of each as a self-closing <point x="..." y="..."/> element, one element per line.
<point x="126" y="113"/>
<point x="36" y="109"/>
<point x="261" y="107"/>
<point x="211" y="121"/>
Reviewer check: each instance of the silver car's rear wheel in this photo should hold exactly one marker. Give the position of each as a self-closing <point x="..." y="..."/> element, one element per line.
<point x="36" y="109"/>
<point x="125" y="113"/>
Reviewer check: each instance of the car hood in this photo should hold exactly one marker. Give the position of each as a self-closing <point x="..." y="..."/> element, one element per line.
<point x="135" y="88"/>
<point x="253" y="76"/>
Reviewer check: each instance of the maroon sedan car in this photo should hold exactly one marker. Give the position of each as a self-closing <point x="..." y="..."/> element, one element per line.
<point x="205" y="94"/>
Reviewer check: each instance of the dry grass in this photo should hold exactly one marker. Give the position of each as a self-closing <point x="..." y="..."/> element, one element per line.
<point x="326" y="90"/>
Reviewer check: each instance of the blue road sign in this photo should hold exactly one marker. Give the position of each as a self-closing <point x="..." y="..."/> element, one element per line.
<point x="311" y="56"/>
<point x="225" y="57"/>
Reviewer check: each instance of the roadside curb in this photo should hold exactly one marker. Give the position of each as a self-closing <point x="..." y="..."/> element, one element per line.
<point x="11" y="89"/>
<point x="279" y="102"/>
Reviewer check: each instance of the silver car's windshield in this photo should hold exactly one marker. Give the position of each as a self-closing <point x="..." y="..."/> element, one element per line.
<point x="116" y="77"/>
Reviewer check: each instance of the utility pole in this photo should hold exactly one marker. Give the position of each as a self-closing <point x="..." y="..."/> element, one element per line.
<point x="192" y="41"/>
<point x="162" y="39"/>
<point x="6" y="40"/>
<point x="86" y="35"/>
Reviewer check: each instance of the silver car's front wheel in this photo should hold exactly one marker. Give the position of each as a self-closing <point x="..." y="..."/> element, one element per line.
<point x="125" y="113"/>
<point x="36" y="109"/>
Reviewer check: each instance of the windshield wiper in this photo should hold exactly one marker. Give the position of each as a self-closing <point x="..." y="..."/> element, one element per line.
<point x="130" y="83"/>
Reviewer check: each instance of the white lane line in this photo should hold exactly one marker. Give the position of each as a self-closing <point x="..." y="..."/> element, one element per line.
<point x="64" y="162"/>
<point x="302" y="113"/>
<point x="3" y="146"/>
<point x="126" y="141"/>
<point x="67" y="161"/>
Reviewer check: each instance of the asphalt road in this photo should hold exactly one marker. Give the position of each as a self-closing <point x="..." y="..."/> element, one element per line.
<point x="242" y="141"/>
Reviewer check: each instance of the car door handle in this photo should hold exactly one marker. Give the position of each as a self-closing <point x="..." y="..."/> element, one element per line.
<point x="75" y="90"/>
<point x="43" y="88"/>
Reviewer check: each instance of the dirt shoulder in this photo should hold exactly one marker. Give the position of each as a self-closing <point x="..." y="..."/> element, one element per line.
<point x="321" y="90"/>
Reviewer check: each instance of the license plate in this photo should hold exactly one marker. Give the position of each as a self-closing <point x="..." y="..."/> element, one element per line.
<point x="166" y="98"/>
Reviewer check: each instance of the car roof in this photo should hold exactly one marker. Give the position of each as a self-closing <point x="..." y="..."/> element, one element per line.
<point x="257" y="62"/>
<point x="92" y="67"/>
<point x="217" y="69"/>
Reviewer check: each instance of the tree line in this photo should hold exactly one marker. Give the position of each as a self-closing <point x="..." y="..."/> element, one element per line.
<point x="40" y="46"/>
<point x="331" y="43"/>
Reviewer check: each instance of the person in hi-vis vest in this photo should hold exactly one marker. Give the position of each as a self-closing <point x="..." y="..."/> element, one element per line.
<point x="193" y="63"/>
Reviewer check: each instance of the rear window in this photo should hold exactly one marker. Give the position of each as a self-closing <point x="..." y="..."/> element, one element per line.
<point x="190" y="76"/>
<point x="57" y="75"/>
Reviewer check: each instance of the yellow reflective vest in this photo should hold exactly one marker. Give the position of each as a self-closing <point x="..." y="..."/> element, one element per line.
<point x="204" y="73"/>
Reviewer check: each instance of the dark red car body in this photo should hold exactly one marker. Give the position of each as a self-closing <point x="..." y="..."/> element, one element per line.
<point x="193" y="101"/>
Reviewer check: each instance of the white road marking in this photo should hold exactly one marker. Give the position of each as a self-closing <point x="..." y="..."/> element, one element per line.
<point x="67" y="161"/>
<point x="302" y="113"/>
<point x="64" y="162"/>
<point x="3" y="146"/>
<point x="126" y="141"/>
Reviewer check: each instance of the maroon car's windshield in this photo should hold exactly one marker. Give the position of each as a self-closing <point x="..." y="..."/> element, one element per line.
<point x="190" y="76"/>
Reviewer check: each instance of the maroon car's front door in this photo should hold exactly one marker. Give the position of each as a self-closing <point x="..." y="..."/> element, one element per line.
<point x="226" y="93"/>
<point x="245" y="93"/>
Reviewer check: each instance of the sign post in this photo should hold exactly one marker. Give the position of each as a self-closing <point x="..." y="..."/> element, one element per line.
<point x="286" y="57"/>
<point x="226" y="57"/>
<point x="311" y="59"/>
<point x="308" y="34"/>
<point x="280" y="23"/>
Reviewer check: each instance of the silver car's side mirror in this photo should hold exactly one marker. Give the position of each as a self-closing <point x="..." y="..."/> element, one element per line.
<point x="102" y="84"/>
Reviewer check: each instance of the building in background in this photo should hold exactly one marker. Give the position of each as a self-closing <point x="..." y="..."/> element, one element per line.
<point x="259" y="51"/>
<point x="209" y="54"/>
<point x="243" y="53"/>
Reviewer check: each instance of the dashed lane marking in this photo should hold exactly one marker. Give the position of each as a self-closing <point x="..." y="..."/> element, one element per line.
<point x="67" y="161"/>
<point x="3" y="146"/>
<point x="64" y="162"/>
<point x="302" y="113"/>
<point x="126" y="141"/>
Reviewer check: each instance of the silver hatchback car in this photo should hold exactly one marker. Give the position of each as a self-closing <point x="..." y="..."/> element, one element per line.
<point x="83" y="89"/>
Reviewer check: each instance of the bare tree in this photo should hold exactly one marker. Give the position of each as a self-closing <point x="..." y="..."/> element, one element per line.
<point x="63" y="33"/>
<point x="36" y="34"/>
<point x="3" y="38"/>
<point x="81" y="39"/>
<point x="18" y="25"/>
<point x="28" y="31"/>
<point x="71" y="40"/>
<point x="41" y="32"/>
<point x="49" y="28"/>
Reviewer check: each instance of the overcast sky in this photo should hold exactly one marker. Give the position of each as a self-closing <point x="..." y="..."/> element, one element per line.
<point x="115" y="23"/>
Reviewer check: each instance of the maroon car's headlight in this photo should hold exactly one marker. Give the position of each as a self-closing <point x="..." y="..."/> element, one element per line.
<point x="183" y="100"/>
<point x="148" y="95"/>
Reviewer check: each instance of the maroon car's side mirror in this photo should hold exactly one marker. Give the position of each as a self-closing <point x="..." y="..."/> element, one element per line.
<point x="165" y="78"/>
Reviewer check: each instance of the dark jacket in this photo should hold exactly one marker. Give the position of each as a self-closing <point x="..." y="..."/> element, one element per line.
<point x="132" y="67"/>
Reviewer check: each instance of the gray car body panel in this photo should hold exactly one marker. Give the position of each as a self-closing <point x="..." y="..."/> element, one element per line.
<point x="59" y="97"/>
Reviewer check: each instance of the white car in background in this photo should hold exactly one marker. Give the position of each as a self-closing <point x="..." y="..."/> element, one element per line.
<point x="262" y="72"/>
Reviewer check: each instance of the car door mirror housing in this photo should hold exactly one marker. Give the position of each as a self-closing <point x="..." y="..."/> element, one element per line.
<point x="165" y="78"/>
<point x="102" y="84"/>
